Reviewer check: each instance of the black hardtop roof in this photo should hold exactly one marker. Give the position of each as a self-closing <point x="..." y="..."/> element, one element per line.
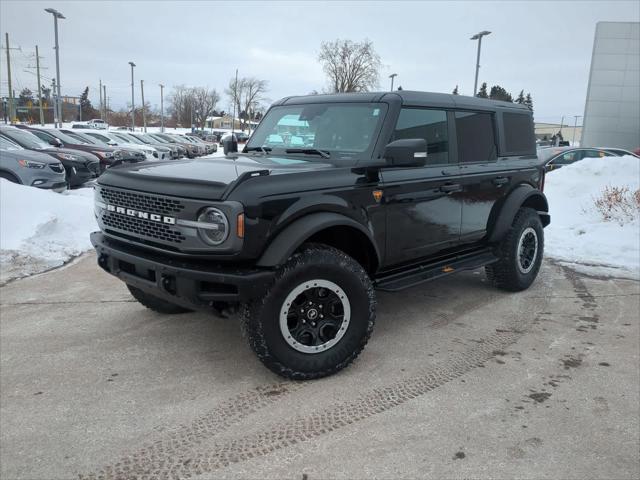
<point x="408" y="98"/>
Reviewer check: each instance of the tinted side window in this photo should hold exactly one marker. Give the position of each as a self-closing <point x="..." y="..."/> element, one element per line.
<point x="476" y="137"/>
<point x="518" y="132"/>
<point x="428" y="124"/>
<point x="567" y="158"/>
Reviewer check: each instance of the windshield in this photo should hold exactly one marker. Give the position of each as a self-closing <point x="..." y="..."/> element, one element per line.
<point x="7" y="145"/>
<point x="343" y="131"/>
<point x="24" y="138"/>
<point x="102" y="138"/>
<point x="84" y="138"/>
<point x="129" y="138"/>
<point x="67" y="138"/>
<point x="163" y="138"/>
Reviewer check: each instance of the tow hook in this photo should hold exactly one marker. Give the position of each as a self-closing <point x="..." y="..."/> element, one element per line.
<point x="169" y="284"/>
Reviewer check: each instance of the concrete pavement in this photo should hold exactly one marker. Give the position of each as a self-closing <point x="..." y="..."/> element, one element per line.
<point x="459" y="380"/>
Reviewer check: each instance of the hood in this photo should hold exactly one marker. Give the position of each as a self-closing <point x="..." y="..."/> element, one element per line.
<point x="206" y="178"/>
<point x="84" y="157"/>
<point x="34" y="155"/>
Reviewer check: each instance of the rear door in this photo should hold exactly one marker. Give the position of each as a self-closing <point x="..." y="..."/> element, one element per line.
<point x="423" y="204"/>
<point x="484" y="180"/>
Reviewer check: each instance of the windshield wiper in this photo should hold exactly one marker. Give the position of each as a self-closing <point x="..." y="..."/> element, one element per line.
<point x="264" y="150"/>
<point x="310" y="151"/>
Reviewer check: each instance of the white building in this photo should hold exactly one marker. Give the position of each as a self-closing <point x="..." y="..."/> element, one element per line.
<point x="612" y="109"/>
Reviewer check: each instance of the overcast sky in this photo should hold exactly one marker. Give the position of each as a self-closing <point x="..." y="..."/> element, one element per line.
<point x="541" y="47"/>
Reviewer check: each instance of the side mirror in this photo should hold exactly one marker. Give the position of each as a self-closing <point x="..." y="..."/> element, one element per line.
<point x="409" y="152"/>
<point x="55" y="142"/>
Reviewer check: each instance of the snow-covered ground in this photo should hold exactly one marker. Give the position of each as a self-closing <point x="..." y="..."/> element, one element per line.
<point x="578" y="235"/>
<point x="40" y="229"/>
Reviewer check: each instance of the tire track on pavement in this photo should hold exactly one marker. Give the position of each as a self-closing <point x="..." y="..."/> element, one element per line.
<point x="177" y="457"/>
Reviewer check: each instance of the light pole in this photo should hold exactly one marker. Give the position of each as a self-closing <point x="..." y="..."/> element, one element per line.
<point x="478" y="36"/>
<point x="57" y="15"/>
<point x="392" y="76"/>
<point x="133" y="107"/>
<point x="575" y="126"/>
<point x="161" y="107"/>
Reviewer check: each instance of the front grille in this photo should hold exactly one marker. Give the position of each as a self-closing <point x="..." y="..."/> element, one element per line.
<point x="142" y="227"/>
<point x="56" y="167"/>
<point x="138" y="201"/>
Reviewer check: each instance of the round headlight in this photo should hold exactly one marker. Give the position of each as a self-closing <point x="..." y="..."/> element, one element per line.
<point x="214" y="228"/>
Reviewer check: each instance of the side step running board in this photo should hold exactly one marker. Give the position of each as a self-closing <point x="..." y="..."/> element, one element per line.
<point x="423" y="273"/>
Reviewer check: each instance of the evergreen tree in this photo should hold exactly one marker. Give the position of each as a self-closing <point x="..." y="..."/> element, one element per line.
<point x="499" y="93"/>
<point x="25" y="98"/>
<point x="455" y="91"/>
<point x="87" y="109"/>
<point x="483" y="91"/>
<point x="528" y="102"/>
<point x="520" y="98"/>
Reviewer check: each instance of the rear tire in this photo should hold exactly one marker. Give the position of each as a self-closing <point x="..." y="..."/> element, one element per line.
<point x="156" y="304"/>
<point x="520" y="253"/>
<point x="337" y="301"/>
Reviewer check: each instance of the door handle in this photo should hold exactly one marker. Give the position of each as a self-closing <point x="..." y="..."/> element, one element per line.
<point x="451" y="188"/>
<point x="499" y="181"/>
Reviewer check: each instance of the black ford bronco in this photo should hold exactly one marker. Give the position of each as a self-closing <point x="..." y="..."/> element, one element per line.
<point x="333" y="197"/>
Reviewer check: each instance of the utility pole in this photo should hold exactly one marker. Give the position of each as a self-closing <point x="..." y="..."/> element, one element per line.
<point x="39" y="87"/>
<point x="560" y="131"/>
<point x="11" y="114"/>
<point x="144" y="112"/>
<point x="161" y="107"/>
<point x="133" y="107"/>
<point x="235" y="99"/>
<point x="575" y="126"/>
<point x="101" y="106"/>
<point x="104" y="96"/>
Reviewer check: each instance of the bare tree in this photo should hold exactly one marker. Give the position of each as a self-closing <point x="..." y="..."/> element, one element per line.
<point x="195" y="103"/>
<point x="350" y="66"/>
<point x="203" y="102"/>
<point x="247" y="94"/>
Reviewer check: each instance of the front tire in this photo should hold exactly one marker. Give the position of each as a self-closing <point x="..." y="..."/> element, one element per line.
<point x="520" y="253"/>
<point x="315" y="318"/>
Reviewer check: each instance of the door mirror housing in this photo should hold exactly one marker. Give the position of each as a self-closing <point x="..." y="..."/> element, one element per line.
<point x="408" y="152"/>
<point x="55" y="142"/>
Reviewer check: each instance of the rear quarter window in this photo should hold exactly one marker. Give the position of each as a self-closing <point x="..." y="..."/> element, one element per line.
<point x="518" y="133"/>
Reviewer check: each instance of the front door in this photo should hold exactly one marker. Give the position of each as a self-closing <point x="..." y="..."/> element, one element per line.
<point x="423" y="204"/>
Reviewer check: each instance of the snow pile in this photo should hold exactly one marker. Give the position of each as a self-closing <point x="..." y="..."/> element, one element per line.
<point x="40" y="229"/>
<point x="578" y="234"/>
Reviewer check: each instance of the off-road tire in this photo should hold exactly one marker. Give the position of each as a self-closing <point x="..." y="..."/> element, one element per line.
<point x="505" y="273"/>
<point x="156" y="304"/>
<point x="260" y="318"/>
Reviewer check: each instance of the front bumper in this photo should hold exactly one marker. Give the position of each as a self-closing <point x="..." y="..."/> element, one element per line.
<point x="193" y="284"/>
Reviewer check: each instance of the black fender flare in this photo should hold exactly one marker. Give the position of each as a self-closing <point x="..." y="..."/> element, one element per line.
<point x="291" y="237"/>
<point x="519" y="196"/>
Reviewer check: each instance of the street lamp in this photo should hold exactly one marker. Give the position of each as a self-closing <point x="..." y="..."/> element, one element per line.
<point x="57" y="15"/>
<point x="133" y="107"/>
<point x="478" y="36"/>
<point x="392" y="76"/>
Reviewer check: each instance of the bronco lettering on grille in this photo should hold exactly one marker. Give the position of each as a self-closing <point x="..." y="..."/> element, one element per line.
<point x="140" y="214"/>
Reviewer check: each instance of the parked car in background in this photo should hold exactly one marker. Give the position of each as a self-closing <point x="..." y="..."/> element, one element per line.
<point x="80" y="167"/>
<point x="191" y="151"/>
<point x="175" y="151"/>
<point x="200" y="148"/>
<point x="210" y="147"/>
<point x="241" y="137"/>
<point x="621" y="152"/>
<point x="160" y="152"/>
<point x="27" y="167"/>
<point x="112" y="139"/>
<point x="557" y="157"/>
<point x="98" y="123"/>
<point x="109" y="156"/>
